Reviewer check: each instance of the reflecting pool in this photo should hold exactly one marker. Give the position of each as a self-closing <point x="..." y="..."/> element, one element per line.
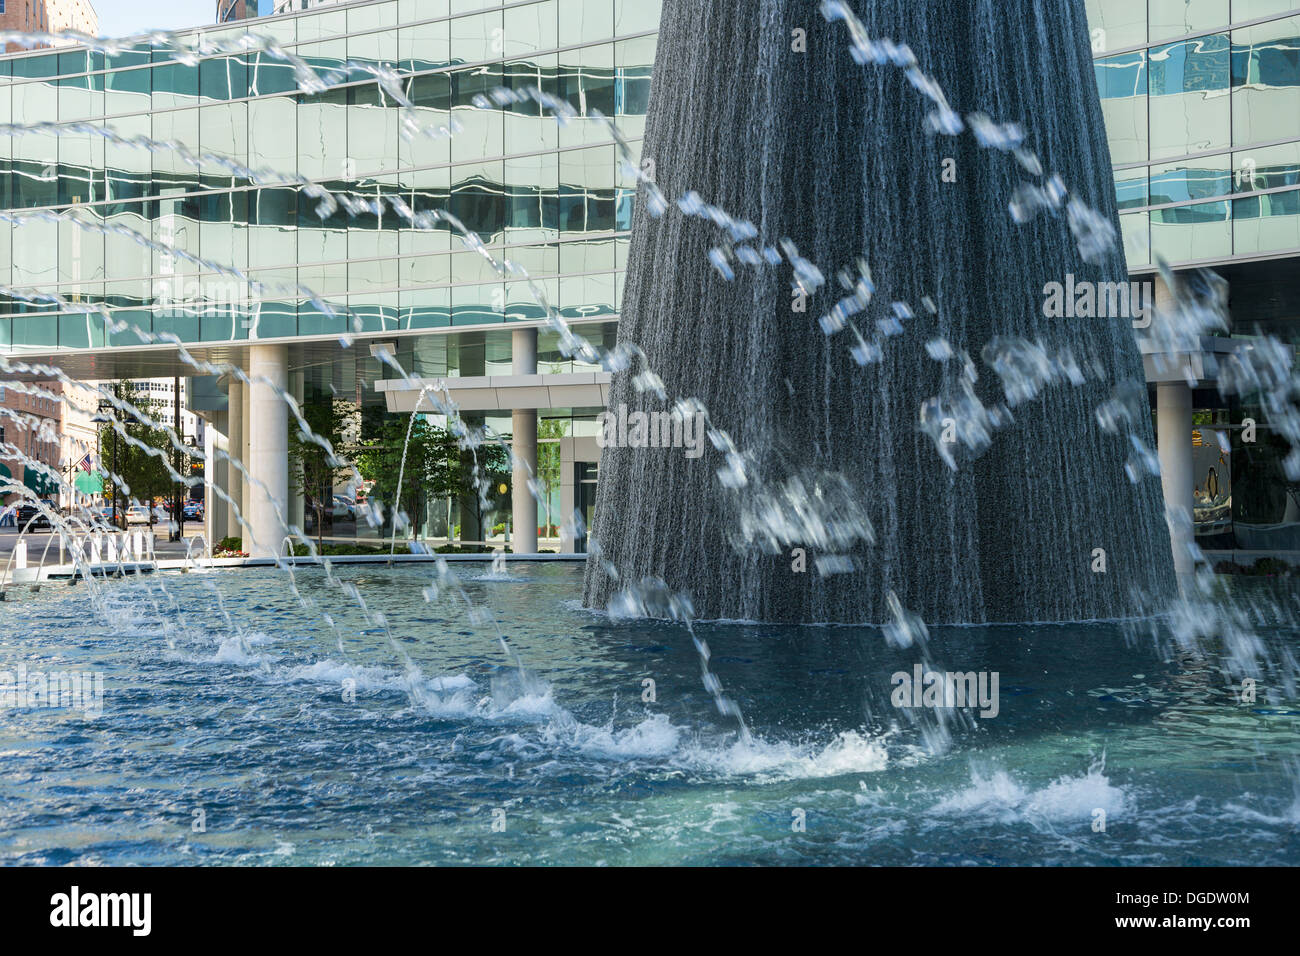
<point x="239" y="726"/>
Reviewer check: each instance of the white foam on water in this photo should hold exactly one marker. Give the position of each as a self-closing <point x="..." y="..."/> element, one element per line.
<point x="848" y="753"/>
<point x="233" y="650"/>
<point x="1068" y="798"/>
<point x="653" y="737"/>
<point x="329" y="671"/>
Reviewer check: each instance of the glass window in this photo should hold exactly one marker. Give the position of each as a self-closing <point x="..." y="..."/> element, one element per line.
<point x="533" y="183"/>
<point x="431" y="96"/>
<point x="268" y="75"/>
<point x="1191" y="66"/>
<point x="223" y="129"/>
<point x="586" y="21"/>
<point x="1198" y="73"/>
<point x="223" y="78"/>
<point x="477" y="38"/>
<point x="81" y="168"/>
<point x="483" y="130"/>
<point x="423" y="46"/>
<point x="531" y="28"/>
<point x="1122" y="84"/>
<point x="478" y="198"/>
<point x="174" y="84"/>
<point x="379" y="46"/>
<point x="1267" y="222"/>
<point x="1192" y="233"/>
<point x="586" y="79"/>
<point x="1134" y="228"/>
<point x="223" y="229"/>
<point x="528" y="127"/>
<point x="1178" y="18"/>
<point x="1116" y="24"/>
<point x="636" y="16"/>
<point x="1243" y="10"/>
<point x="273" y="139"/>
<point x="1131" y="187"/>
<point x="372" y="131"/>
<point x="409" y="11"/>
<point x="1122" y="76"/>
<point x="1190" y="179"/>
<point x="1266" y="77"/>
<point x="1267" y="168"/>
<point x="323" y="134"/>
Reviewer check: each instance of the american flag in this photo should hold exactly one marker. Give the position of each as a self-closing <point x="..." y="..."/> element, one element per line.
<point x="84" y="465"/>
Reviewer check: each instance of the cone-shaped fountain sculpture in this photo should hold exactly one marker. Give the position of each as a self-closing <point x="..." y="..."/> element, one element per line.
<point x="761" y="109"/>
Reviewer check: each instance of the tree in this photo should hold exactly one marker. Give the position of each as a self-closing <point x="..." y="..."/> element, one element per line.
<point x="483" y="473"/>
<point x="144" y="470"/>
<point x="314" y="471"/>
<point x="431" y="469"/>
<point x="548" y="461"/>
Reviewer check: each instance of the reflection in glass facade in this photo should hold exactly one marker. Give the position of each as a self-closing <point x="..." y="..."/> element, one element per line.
<point x="1202" y="107"/>
<point x="1201" y="100"/>
<point x="550" y="198"/>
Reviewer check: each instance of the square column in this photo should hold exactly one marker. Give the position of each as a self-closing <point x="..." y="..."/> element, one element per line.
<point x="1174" y="444"/>
<point x="297" y="504"/>
<point x="268" y="448"/>
<point x="216" y="475"/>
<point x="234" y="450"/>
<point x="523" y="429"/>
<point x="242" y="450"/>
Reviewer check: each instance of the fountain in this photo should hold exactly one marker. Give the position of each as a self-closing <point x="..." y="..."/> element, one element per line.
<point x="855" y="426"/>
<point x="809" y="146"/>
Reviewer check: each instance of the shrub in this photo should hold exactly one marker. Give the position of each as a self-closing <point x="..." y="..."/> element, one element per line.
<point x="1271" y="566"/>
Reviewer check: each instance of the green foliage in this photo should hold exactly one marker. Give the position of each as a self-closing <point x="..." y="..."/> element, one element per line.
<point x="231" y="544"/>
<point x="548" y="464"/>
<point x="483" y="473"/>
<point x="431" y="470"/>
<point x="314" y="471"/>
<point x="144" y="470"/>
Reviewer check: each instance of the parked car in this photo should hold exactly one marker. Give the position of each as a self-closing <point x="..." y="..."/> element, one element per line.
<point x="138" y="514"/>
<point x="99" y="516"/>
<point x="193" y="510"/>
<point x="344" y="510"/>
<point x="27" y="511"/>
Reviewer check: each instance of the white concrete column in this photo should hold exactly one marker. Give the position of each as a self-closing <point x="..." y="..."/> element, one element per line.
<point x="1174" y="443"/>
<point x="218" y="515"/>
<point x="246" y="488"/>
<point x="568" y="492"/>
<point x="212" y="479"/>
<point x="523" y="506"/>
<point x="297" y="505"/>
<point x="234" y="449"/>
<point x="268" y="435"/>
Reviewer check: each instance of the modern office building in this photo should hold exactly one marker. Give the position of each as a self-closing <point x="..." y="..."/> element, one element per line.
<point x="1202" y="107"/>
<point x="1200" y="101"/>
<point x="549" y="197"/>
